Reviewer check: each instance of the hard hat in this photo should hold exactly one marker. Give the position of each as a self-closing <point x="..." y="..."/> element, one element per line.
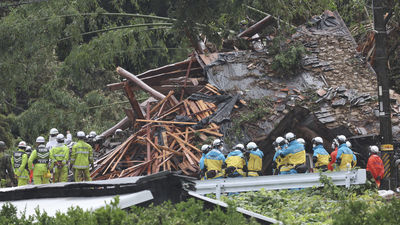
<point x="40" y="139"/>
<point x="60" y="137"/>
<point x="217" y="142"/>
<point x="22" y="144"/>
<point x="280" y="141"/>
<point x="92" y="134"/>
<point x="317" y="140"/>
<point x="301" y="141"/>
<point x="2" y="145"/>
<point x="53" y="131"/>
<point x="99" y="137"/>
<point x="28" y="149"/>
<point x="118" y="131"/>
<point x="239" y="147"/>
<point x="80" y="134"/>
<point x="348" y="143"/>
<point x="290" y="136"/>
<point x="341" y="139"/>
<point x="204" y="148"/>
<point x="374" y="149"/>
<point x="251" y="146"/>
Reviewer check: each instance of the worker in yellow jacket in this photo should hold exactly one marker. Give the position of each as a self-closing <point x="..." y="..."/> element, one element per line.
<point x="59" y="156"/>
<point x="19" y="161"/>
<point x="81" y="158"/>
<point x="39" y="162"/>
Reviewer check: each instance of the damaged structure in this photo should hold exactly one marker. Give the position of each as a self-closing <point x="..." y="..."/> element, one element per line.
<point x="202" y="98"/>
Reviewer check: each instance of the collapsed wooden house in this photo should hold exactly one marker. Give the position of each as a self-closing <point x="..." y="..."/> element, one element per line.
<point x="161" y="142"/>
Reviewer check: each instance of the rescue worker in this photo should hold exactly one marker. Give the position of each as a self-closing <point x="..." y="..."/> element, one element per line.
<point x="332" y="163"/>
<point x="39" y="162"/>
<point x="235" y="162"/>
<point x="20" y="163"/>
<point x="81" y="158"/>
<point x="59" y="156"/>
<point x="320" y="156"/>
<point x="204" y="149"/>
<point x="254" y="162"/>
<point x="214" y="161"/>
<point x="345" y="156"/>
<point x="6" y="168"/>
<point x="118" y="136"/>
<point x="91" y="139"/>
<point x="279" y="161"/>
<point x="296" y="153"/>
<point x="375" y="165"/>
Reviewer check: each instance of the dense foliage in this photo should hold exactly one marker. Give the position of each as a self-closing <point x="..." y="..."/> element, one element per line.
<point x="328" y="205"/>
<point x="190" y="212"/>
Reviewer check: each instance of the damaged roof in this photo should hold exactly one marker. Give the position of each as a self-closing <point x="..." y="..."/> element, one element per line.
<point x="335" y="83"/>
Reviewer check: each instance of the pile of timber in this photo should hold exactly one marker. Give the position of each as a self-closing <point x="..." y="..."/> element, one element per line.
<point x="159" y="142"/>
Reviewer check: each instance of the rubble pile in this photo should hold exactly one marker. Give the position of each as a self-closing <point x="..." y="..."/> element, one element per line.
<point x="164" y="133"/>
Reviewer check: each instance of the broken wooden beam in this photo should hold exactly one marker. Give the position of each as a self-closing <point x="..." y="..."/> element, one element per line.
<point x="166" y="122"/>
<point x="140" y="83"/>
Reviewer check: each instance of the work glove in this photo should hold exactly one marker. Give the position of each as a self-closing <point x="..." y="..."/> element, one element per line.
<point x="274" y="164"/>
<point x="314" y="159"/>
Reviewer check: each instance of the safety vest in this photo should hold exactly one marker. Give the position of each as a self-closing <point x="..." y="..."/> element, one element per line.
<point x="18" y="159"/>
<point x="255" y="160"/>
<point x="43" y="154"/>
<point x="346" y="155"/>
<point x="322" y="156"/>
<point x="81" y="155"/>
<point x="296" y="153"/>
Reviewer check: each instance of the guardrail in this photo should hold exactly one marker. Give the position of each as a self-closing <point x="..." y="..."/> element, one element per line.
<point x="242" y="184"/>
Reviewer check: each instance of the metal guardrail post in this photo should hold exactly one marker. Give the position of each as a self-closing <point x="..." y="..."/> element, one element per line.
<point x="218" y="191"/>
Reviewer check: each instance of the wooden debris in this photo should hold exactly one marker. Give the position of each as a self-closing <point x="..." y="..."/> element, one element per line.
<point x="158" y="142"/>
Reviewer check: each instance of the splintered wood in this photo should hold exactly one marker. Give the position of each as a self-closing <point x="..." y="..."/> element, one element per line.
<point x="159" y="142"/>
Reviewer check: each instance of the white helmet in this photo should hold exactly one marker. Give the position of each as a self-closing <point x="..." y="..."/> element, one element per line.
<point x="374" y="149"/>
<point x="348" y="143"/>
<point x="290" y="136"/>
<point x="28" y="149"/>
<point x="317" y="141"/>
<point x="239" y="147"/>
<point x="92" y="134"/>
<point x="60" y="138"/>
<point x="217" y="142"/>
<point x="22" y="144"/>
<point x="280" y="141"/>
<point x="80" y="134"/>
<point x="118" y="131"/>
<point x="251" y="146"/>
<point x="40" y="139"/>
<point x="53" y="131"/>
<point x="341" y="139"/>
<point x="204" y="148"/>
<point x="301" y="141"/>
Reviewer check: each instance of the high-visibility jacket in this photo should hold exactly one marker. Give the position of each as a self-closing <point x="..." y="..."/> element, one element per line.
<point x="236" y="159"/>
<point x="254" y="164"/>
<point x="296" y="153"/>
<point x="60" y="153"/>
<point x="19" y="162"/>
<point x="82" y="155"/>
<point x="332" y="165"/>
<point x="201" y="162"/>
<point x="213" y="161"/>
<point x="346" y="155"/>
<point x="39" y="160"/>
<point x="322" y="156"/>
<point x="375" y="166"/>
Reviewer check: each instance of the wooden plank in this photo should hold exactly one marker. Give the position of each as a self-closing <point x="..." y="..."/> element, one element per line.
<point x="183" y="141"/>
<point x="166" y="122"/>
<point x="148" y="148"/>
<point x="122" y="154"/>
<point x="186" y="78"/>
<point x="132" y="100"/>
<point x="160" y="103"/>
